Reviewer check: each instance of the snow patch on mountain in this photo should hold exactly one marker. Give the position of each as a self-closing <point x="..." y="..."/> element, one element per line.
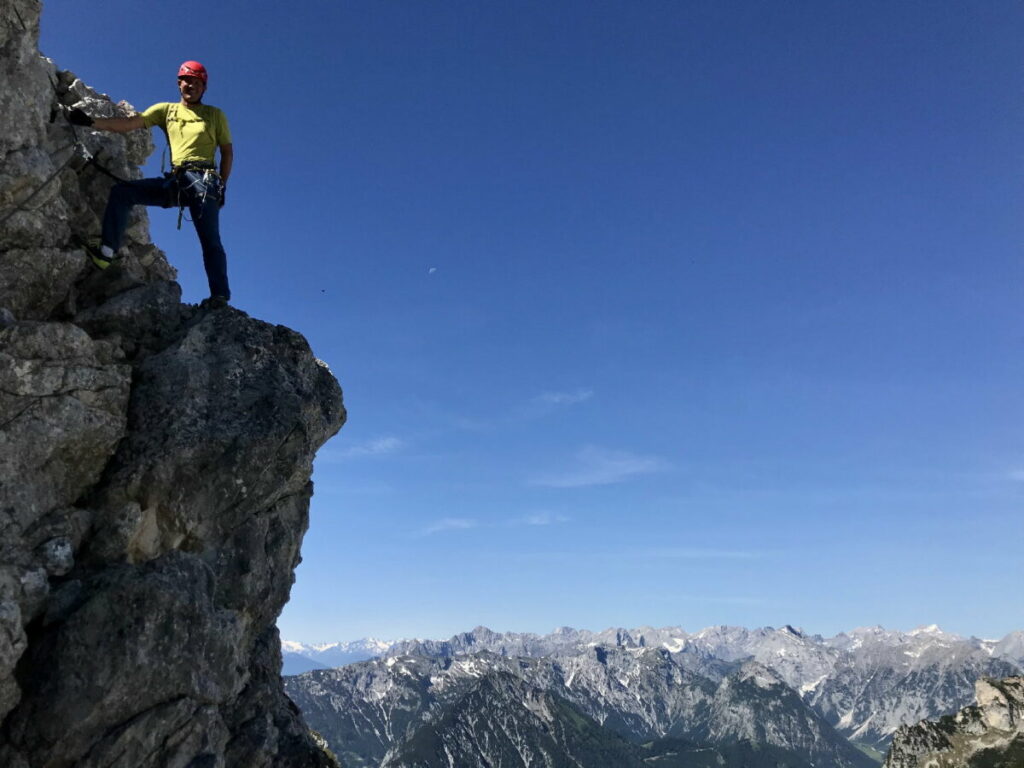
<point x="865" y="682"/>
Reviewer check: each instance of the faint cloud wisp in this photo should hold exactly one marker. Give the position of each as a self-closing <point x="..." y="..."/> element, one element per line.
<point x="598" y="466"/>
<point x="541" y="518"/>
<point x="449" y="524"/>
<point x="620" y="556"/>
<point x="696" y="553"/>
<point x="564" y="398"/>
<point x="378" y="446"/>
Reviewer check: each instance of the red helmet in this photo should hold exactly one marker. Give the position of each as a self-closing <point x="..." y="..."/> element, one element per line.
<point x="192" y="69"/>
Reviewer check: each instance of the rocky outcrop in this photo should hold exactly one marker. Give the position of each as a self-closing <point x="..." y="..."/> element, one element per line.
<point x="989" y="734"/>
<point x="155" y="463"/>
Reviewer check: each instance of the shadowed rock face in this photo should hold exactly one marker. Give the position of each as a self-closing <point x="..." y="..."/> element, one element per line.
<point x="154" y="471"/>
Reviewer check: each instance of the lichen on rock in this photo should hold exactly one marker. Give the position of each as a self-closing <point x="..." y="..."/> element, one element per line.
<point x="155" y="463"/>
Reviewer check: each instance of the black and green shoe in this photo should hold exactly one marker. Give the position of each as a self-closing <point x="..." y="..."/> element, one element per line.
<point x="93" y="246"/>
<point x="214" y="302"/>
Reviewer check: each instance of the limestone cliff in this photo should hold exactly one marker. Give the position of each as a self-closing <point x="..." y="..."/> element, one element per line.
<point x="155" y="465"/>
<point x="989" y="734"/>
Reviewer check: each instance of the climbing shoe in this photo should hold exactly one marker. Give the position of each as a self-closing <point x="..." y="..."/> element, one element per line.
<point x="214" y="302"/>
<point x="100" y="254"/>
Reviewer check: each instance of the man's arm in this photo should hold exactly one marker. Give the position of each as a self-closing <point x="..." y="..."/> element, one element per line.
<point x="227" y="158"/>
<point x="118" y="124"/>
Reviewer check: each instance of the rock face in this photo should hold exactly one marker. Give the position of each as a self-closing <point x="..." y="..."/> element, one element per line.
<point x="989" y="734"/>
<point x="154" y="471"/>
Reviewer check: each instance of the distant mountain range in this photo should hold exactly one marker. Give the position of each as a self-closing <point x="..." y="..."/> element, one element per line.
<point x="599" y="707"/>
<point x="724" y="693"/>
<point x="302" y="657"/>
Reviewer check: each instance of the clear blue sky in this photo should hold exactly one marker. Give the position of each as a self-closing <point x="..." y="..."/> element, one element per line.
<point x="646" y="312"/>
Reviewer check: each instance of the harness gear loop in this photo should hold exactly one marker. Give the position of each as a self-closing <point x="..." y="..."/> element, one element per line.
<point x="209" y="172"/>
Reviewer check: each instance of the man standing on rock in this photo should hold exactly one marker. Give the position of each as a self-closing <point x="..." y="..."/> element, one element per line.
<point x="194" y="133"/>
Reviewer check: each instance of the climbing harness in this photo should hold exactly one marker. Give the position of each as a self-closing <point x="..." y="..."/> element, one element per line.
<point x="207" y="180"/>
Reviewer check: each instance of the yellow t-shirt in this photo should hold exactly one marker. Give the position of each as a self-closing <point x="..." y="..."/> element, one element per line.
<point x="193" y="134"/>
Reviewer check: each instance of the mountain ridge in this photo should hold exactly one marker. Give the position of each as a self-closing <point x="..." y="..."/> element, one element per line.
<point x="866" y="682"/>
<point x="371" y="709"/>
<point x="1010" y="646"/>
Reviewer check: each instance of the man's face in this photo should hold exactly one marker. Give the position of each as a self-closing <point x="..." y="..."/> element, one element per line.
<point x="191" y="89"/>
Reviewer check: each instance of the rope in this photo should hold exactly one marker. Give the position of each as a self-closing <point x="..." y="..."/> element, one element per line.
<point x="21" y="206"/>
<point x="90" y="159"/>
<point x="20" y="20"/>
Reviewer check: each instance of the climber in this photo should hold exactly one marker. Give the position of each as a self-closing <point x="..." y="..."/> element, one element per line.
<point x="194" y="133"/>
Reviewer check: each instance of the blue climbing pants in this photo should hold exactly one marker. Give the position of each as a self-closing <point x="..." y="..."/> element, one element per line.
<point x="196" y="189"/>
